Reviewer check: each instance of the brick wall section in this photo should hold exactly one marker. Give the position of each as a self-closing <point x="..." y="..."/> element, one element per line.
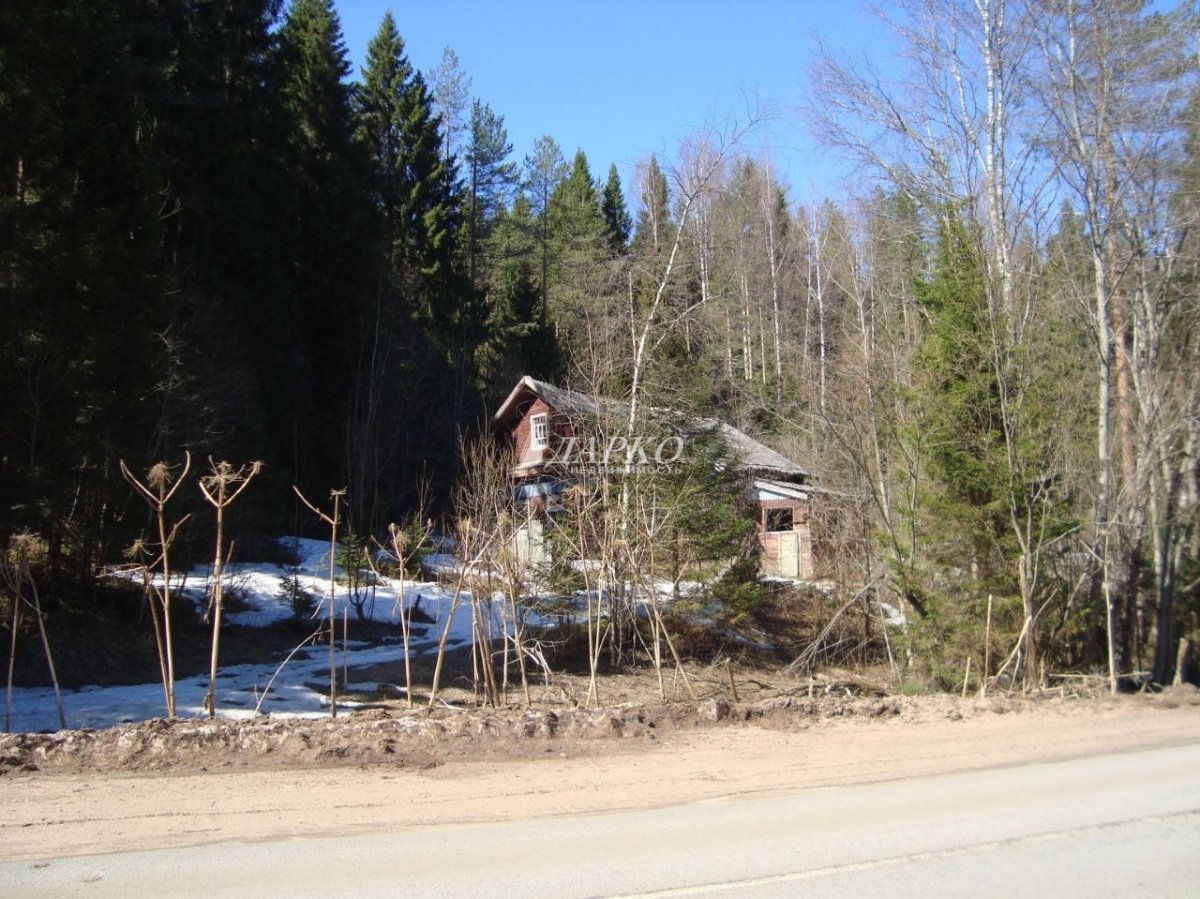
<point x="770" y="543"/>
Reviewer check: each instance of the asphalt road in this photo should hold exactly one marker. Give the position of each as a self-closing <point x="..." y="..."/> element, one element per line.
<point x="1112" y="825"/>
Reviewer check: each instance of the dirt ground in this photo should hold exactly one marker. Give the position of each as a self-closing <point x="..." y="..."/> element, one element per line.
<point x="188" y="782"/>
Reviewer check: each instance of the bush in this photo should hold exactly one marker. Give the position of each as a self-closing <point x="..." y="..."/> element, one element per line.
<point x="739" y="590"/>
<point x="302" y="602"/>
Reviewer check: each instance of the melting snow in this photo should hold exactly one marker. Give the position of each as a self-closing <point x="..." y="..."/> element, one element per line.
<point x="242" y="689"/>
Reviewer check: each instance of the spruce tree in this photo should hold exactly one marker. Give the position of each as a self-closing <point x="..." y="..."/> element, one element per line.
<point x="331" y="236"/>
<point x="957" y="436"/>
<point x="221" y="130"/>
<point x="578" y="247"/>
<point x="576" y="222"/>
<point x="84" y="301"/>
<point x="960" y="422"/>
<point x="652" y="233"/>
<point x="315" y="89"/>
<point x="411" y="180"/>
<point x="617" y="220"/>
<point x="400" y="140"/>
<point x="387" y="76"/>
<point x="518" y="341"/>
<point x="578" y="203"/>
<point x="430" y="210"/>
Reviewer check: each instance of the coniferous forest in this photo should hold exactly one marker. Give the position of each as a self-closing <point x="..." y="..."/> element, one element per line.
<point x="215" y="242"/>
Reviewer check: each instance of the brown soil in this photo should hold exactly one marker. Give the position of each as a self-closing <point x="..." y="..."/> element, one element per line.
<point x="384" y="731"/>
<point x="651" y="742"/>
<point x="157" y="784"/>
<point x="163" y="783"/>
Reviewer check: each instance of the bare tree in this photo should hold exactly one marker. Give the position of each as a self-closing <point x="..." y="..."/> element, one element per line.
<point x="17" y="571"/>
<point x="157" y="491"/>
<point x="656" y="516"/>
<point x="701" y="162"/>
<point x="332" y="520"/>
<point x="776" y="259"/>
<point x="451" y="88"/>
<point x="499" y="572"/>
<point x="590" y="535"/>
<point x="472" y="543"/>
<point x="1112" y="82"/>
<point x="406" y="543"/>
<point x="221" y="487"/>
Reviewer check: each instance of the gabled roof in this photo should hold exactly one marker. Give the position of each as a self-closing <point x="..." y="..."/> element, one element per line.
<point x="756" y="456"/>
<point x="560" y="399"/>
<point x="753" y="455"/>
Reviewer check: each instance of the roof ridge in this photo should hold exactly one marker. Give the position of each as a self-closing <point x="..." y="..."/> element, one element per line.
<point x="753" y="453"/>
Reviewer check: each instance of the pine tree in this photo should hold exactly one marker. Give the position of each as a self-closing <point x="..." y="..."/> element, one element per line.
<point x="489" y="177"/>
<point x="545" y="169"/>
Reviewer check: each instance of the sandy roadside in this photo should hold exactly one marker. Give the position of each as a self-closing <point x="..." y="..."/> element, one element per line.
<point x="59" y="815"/>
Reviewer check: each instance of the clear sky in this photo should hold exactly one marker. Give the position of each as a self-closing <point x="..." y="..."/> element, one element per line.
<point x="621" y="79"/>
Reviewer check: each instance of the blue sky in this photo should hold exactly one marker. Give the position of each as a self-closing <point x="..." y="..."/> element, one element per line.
<point x="622" y="79"/>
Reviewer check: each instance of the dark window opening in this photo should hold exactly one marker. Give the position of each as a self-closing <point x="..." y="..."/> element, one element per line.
<point x="779" y="519"/>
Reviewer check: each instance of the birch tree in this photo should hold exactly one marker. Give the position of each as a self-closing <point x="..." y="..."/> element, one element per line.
<point x="701" y="161"/>
<point x="1113" y="81"/>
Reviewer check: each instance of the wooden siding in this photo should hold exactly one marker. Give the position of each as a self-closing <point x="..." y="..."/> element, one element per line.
<point x="783" y="554"/>
<point x="525" y="453"/>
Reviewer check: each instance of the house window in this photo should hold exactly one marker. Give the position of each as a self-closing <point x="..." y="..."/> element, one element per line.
<point x="779" y="519"/>
<point x="540" y="429"/>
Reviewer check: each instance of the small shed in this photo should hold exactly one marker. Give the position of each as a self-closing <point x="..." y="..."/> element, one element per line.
<point x="783" y="529"/>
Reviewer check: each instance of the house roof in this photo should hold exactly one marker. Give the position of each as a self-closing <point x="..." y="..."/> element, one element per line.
<point x="560" y="399"/>
<point x="781" y="489"/>
<point x="753" y="455"/>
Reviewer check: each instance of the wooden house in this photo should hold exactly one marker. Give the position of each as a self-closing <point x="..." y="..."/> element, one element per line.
<point x="551" y="432"/>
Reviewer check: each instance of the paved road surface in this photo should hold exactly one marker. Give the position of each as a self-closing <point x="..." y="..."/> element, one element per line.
<point x="1113" y="825"/>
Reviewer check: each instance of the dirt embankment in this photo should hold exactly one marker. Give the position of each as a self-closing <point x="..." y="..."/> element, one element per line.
<point x="423" y="739"/>
<point x="161" y="784"/>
